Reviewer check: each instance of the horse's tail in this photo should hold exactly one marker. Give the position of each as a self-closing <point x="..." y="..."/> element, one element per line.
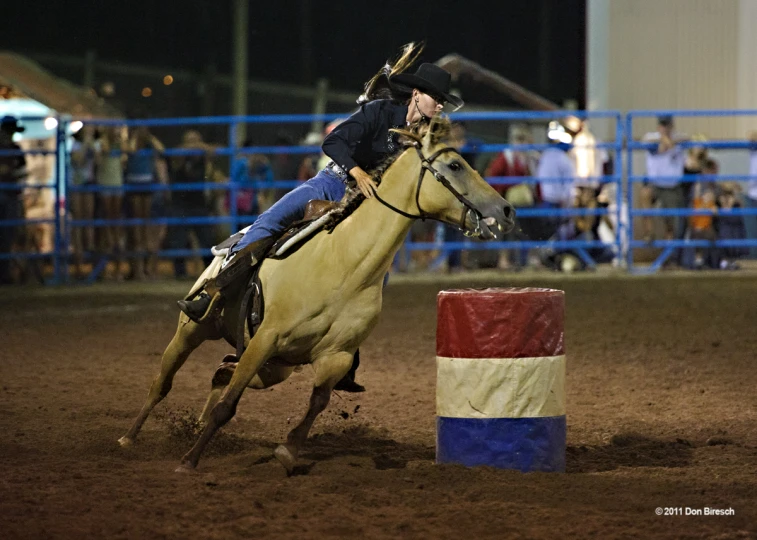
<point x="379" y="87"/>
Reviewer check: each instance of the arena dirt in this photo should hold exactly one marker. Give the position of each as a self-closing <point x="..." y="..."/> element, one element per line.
<point x="662" y="412"/>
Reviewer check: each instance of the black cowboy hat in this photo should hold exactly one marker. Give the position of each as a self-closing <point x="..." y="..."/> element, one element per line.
<point x="432" y="80"/>
<point x="9" y="124"/>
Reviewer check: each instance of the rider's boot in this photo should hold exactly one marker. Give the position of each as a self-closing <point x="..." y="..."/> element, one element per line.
<point x="209" y="303"/>
<point x="348" y="383"/>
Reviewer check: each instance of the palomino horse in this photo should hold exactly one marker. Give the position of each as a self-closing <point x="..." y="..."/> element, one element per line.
<point x="323" y="300"/>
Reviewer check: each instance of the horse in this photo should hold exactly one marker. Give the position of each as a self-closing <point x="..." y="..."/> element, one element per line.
<point x="324" y="299"/>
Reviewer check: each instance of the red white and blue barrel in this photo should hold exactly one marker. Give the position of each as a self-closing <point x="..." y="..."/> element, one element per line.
<point x="500" y="390"/>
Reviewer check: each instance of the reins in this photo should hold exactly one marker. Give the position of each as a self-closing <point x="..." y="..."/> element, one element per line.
<point x="427" y="165"/>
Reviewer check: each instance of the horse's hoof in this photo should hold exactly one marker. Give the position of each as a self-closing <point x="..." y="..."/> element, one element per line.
<point x="185" y="468"/>
<point x="125" y="441"/>
<point x="285" y="457"/>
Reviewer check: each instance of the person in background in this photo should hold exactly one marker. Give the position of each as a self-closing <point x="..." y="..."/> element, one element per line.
<point x="728" y="225"/>
<point x="556" y="175"/>
<point x="245" y="170"/>
<point x="158" y="210"/>
<point x="702" y="227"/>
<point x="285" y="166"/>
<point x="587" y="159"/>
<point x="516" y="163"/>
<point x="750" y="197"/>
<point x="144" y="152"/>
<point x="12" y="172"/>
<point x="696" y="157"/>
<point x="83" y="152"/>
<point x="665" y="163"/>
<point x="191" y="169"/>
<point x="110" y="160"/>
<point x="309" y="164"/>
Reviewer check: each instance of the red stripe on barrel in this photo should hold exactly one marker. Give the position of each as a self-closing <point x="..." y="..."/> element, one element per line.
<point x="500" y="323"/>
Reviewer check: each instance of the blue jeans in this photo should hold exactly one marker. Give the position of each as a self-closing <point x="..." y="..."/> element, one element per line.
<point x="291" y="207"/>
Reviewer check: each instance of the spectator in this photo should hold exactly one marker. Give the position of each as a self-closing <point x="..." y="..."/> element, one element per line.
<point x="665" y="162"/>
<point x="285" y="168"/>
<point x="702" y="226"/>
<point x="309" y="164"/>
<point x="83" y="153"/>
<point x="586" y="158"/>
<point x="158" y="209"/>
<point x="583" y="228"/>
<point x="191" y="169"/>
<point x="729" y="226"/>
<point x="110" y="160"/>
<point x="12" y="172"/>
<point x="516" y="163"/>
<point x="696" y="158"/>
<point x="750" y="198"/>
<point x="144" y="152"/>
<point x="246" y="169"/>
<point x="556" y="175"/>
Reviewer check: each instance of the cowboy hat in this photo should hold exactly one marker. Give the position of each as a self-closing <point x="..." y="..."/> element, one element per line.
<point x="432" y="80"/>
<point x="9" y="124"/>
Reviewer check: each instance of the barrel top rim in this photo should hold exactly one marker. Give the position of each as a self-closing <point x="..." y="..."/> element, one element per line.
<point x="496" y="291"/>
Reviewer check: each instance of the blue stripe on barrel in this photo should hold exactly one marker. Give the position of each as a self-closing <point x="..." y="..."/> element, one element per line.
<point x="525" y="444"/>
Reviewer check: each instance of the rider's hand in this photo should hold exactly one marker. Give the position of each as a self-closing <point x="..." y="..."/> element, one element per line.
<point x="364" y="181"/>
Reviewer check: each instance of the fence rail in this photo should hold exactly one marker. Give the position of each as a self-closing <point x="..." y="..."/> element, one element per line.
<point x="620" y="148"/>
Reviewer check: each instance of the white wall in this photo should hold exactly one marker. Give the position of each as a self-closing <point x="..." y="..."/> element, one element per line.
<point x="676" y="54"/>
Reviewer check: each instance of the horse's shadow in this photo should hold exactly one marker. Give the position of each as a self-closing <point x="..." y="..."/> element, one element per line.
<point x="629" y="450"/>
<point x="623" y="450"/>
<point x="358" y="442"/>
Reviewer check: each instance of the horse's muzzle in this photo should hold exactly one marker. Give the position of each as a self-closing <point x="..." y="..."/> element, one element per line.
<point x="497" y="221"/>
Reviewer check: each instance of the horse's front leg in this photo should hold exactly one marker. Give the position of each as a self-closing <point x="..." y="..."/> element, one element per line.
<point x="253" y="358"/>
<point x="189" y="335"/>
<point x="329" y="370"/>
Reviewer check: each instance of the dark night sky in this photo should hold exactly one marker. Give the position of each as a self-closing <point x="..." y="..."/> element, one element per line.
<point x="350" y="38"/>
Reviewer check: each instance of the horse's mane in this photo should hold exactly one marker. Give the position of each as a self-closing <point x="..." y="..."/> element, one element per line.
<point x="439" y="126"/>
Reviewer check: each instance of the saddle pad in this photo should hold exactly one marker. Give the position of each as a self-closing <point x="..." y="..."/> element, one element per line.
<point x="223" y="248"/>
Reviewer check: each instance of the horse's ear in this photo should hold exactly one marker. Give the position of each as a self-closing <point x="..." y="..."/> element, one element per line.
<point x="438" y="129"/>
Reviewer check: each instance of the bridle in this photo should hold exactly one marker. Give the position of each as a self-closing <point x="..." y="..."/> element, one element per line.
<point x="427" y="165"/>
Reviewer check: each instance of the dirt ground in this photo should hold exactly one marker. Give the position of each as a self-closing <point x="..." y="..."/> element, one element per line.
<point x="662" y="412"/>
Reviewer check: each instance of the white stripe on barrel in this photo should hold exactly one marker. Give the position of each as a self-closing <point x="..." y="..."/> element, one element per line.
<point x="501" y="378"/>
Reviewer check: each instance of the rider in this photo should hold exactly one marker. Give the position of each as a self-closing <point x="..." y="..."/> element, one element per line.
<point x="392" y="99"/>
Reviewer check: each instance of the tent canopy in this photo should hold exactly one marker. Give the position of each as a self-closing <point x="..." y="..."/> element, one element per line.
<point x="28" y="79"/>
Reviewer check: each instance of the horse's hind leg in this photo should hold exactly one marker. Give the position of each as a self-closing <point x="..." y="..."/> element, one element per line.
<point x="329" y="370"/>
<point x="253" y="358"/>
<point x="189" y="335"/>
<point x="266" y="377"/>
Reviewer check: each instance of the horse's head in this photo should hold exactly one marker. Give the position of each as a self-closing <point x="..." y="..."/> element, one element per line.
<point x="450" y="190"/>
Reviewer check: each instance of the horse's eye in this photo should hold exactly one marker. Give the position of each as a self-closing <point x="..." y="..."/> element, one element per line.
<point x="455" y="166"/>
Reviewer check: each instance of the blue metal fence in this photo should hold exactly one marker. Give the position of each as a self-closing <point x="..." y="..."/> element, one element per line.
<point x="672" y="246"/>
<point x="622" y="127"/>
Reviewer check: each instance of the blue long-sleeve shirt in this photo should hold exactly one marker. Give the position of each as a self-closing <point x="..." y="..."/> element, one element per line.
<point x="364" y="139"/>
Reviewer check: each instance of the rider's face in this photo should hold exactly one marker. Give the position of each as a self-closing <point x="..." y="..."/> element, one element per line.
<point x="425" y="104"/>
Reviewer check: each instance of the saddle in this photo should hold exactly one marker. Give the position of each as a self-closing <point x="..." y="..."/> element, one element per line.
<point x="319" y="215"/>
<point x="314" y="211"/>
